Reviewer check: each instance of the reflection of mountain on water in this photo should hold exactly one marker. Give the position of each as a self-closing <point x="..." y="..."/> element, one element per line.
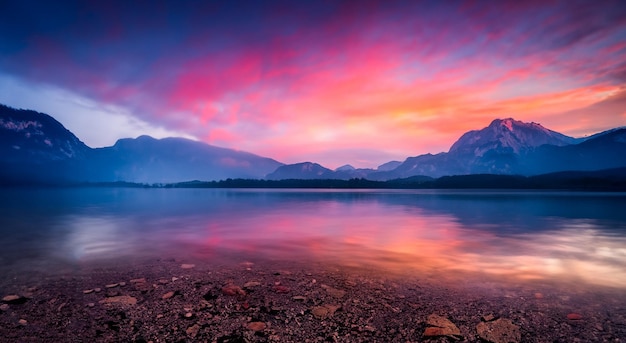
<point x="516" y="211"/>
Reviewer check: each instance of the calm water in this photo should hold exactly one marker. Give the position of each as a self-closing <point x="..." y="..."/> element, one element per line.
<point x="507" y="235"/>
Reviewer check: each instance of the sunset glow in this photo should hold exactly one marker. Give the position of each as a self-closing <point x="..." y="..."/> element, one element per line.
<point x="359" y="82"/>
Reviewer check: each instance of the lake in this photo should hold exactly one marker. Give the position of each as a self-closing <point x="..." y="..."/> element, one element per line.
<point x="502" y="235"/>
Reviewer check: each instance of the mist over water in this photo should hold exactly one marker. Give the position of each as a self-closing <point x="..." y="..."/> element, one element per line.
<point x="503" y="235"/>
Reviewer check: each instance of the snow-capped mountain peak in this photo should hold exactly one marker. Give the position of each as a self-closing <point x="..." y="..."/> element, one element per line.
<point x="508" y="135"/>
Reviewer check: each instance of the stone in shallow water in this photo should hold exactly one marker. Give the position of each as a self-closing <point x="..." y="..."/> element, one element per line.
<point x="499" y="331"/>
<point x="441" y="326"/>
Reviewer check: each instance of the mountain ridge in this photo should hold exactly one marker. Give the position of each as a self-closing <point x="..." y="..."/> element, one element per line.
<point x="35" y="146"/>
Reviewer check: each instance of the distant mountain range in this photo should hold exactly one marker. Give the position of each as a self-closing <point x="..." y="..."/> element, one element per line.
<point x="34" y="147"/>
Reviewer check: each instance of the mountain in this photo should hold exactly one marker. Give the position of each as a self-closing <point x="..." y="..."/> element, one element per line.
<point x="304" y="170"/>
<point x="601" y="151"/>
<point x="148" y="160"/>
<point x="507" y="136"/>
<point x="29" y="136"/>
<point x="345" y="168"/>
<point x="391" y="165"/>
<point x="500" y="148"/>
<point x="36" y="148"/>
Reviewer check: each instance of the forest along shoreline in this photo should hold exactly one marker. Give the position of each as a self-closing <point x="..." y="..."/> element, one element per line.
<point x="268" y="301"/>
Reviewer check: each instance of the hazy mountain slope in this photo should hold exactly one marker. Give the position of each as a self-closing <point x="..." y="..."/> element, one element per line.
<point x="603" y="151"/>
<point x="149" y="160"/>
<point x="35" y="147"/>
<point x="304" y="170"/>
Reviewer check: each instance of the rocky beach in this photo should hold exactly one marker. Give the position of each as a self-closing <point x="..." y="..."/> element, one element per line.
<point x="182" y="300"/>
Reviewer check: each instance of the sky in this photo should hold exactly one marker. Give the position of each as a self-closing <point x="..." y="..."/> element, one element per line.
<point x="333" y="82"/>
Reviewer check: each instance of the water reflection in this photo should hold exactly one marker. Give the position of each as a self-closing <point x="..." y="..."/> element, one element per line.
<point x="525" y="235"/>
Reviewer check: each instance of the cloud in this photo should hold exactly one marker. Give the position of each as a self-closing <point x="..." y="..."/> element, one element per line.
<point x="95" y="123"/>
<point x="284" y="79"/>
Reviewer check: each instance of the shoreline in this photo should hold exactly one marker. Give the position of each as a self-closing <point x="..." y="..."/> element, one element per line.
<point x="183" y="300"/>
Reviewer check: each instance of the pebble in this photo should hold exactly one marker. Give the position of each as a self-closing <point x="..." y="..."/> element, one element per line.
<point x="441" y="326"/>
<point x="188" y="315"/>
<point x="574" y="316"/>
<point x="23" y="322"/>
<point x="232" y="290"/>
<point x="321" y="312"/>
<point x="97" y="290"/>
<point x="121" y="299"/>
<point x="257" y="326"/>
<point x="139" y="280"/>
<point x="334" y="292"/>
<point x="488" y="318"/>
<point x="91" y="305"/>
<point x="299" y="298"/>
<point x="167" y="295"/>
<point x="192" y="331"/>
<point x="187" y="265"/>
<point x="4" y="307"/>
<point x="122" y="284"/>
<point x="251" y="284"/>
<point x="112" y="285"/>
<point x="281" y="289"/>
<point x="12" y="298"/>
<point x="499" y="331"/>
<point x="88" y="291"/>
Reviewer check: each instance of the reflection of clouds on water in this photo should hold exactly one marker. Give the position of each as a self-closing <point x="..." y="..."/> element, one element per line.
<point x="96" y="237"/>
<point x="511" y="235"/>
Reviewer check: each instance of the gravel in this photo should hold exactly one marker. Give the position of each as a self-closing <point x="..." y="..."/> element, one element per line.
<point x="269" y="301"/>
